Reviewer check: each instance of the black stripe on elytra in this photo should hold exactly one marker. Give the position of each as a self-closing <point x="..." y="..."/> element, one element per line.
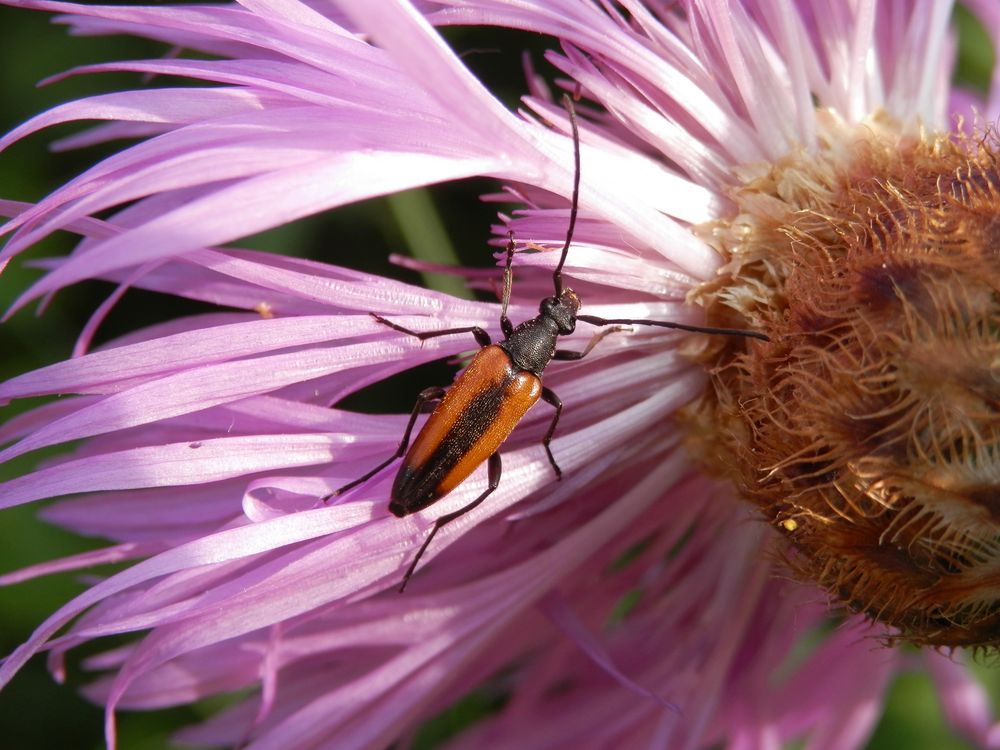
<point x="415" y="487"/>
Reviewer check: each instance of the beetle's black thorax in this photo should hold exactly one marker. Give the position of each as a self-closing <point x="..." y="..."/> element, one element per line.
<point x="532" y="344"/>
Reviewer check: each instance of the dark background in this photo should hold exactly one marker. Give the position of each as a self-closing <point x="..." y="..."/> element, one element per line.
<point x="446" y="223"/>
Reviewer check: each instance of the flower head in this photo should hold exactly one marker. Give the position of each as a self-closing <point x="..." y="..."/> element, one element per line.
<point x="631" y="604"/>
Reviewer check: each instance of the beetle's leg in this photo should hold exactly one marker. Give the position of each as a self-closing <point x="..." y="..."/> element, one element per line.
<point x="566" y="355"/>
<point x="482" y="337"/>
<point x="506" y="327"/>
<point x="594" y="320"/>
<point x="426" y="395"/>
<point x="494" y="468"/>
<point x="551" y="398"/>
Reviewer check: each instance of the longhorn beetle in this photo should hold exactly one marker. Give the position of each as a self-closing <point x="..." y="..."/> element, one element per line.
<point x="495" y="391"/>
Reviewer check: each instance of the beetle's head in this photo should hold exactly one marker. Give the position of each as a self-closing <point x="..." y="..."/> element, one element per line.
<point x="562" y="310"/>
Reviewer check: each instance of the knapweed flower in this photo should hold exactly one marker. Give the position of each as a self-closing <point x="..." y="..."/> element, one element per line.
<point x="635" y="603"/>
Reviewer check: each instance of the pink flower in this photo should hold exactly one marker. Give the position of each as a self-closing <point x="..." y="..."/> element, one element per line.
<point x="632" y="604"/>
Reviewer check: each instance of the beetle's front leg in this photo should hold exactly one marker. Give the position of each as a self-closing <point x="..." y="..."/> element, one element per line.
<point x="568" y="355"/>
<point x="482" y="337"/>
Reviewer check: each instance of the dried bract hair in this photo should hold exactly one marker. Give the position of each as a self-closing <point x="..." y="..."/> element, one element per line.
<point x="868" y="429"/>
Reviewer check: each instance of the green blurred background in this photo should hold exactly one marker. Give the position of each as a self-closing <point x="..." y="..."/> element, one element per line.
<point x="446" y="224"/>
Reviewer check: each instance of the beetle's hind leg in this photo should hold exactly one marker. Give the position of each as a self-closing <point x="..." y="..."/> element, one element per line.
<point x="494" y="469"/>
<point x="423" y="400"/>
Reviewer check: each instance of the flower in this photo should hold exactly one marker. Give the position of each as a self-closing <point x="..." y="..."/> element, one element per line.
<point x="633" y="603"/>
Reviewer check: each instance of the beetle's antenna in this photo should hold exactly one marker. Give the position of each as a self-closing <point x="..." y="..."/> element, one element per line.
<point x="557" y="274"/>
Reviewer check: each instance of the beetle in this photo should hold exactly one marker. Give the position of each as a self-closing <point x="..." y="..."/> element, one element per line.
<point x="495" y="391"/>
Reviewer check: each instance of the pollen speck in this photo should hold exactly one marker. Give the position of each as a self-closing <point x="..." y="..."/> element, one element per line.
<point x="870" y="424"/>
